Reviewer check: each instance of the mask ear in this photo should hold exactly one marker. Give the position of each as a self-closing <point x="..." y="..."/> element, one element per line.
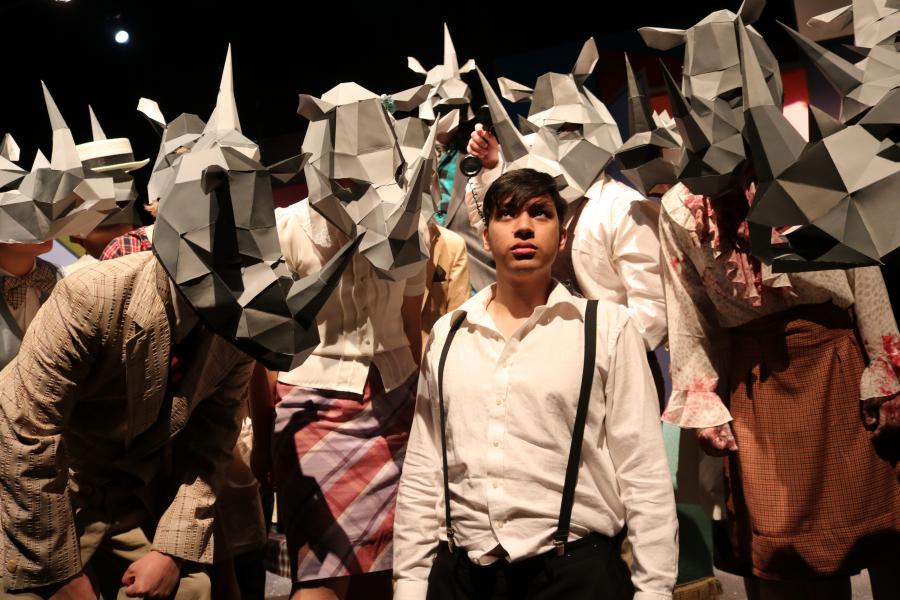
<point x="409" y="99"/>
<point x="313" y="108"/>
<point x="415" y="66"/>
<point x="514" y="92"/>
<point x="662" y="38"/>
<point x="751" y="10"/>
<point x="150" y="110"/>
<point x="9" y="149"/>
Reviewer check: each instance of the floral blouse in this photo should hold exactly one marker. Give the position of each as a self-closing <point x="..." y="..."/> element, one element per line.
<point x="712" y="286"/>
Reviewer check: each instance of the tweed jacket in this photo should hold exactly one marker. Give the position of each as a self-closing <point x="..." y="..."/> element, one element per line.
<point x="446" y="277"/>
<point x="85" y="419"/>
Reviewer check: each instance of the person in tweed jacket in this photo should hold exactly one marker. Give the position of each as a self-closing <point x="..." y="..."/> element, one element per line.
<point x="120" y="412"/>
<point x="106" y="439"/>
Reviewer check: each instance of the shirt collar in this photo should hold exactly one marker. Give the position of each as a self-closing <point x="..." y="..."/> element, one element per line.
<point x="476" y="306"/>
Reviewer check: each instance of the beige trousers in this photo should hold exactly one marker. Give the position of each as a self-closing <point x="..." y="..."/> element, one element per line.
<point x="108" y="549"/>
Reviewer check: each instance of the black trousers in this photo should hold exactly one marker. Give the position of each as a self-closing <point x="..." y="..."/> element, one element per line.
<point x="591" y="569"/>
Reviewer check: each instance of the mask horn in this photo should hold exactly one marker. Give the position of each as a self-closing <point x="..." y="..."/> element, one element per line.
<point x="512" y="145"/>
<point x="64" y="155"/>
<point x="225" y="116"/>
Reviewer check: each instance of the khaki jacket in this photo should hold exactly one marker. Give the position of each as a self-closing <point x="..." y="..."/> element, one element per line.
<point x="85" y="420"/>
<point x="460" y="218"/>
<point x="446" y="277"/>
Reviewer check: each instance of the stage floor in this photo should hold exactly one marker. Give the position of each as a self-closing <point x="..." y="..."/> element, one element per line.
<point x="279" y="588"/>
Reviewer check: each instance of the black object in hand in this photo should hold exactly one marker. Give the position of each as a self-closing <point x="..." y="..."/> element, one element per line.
<point x="470" y="165"/>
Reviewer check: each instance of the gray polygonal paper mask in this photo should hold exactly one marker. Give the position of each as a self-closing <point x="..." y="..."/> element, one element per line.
<point x="574" y="135"/>
<point x="710" y="130"/>
<point x="833" y="198"/>
<point x="711" y="60"/>
<point x="865" y="83"/>
<point x="875" y="22"/>
<point x="653" y="155"/>
<point x="708" y="107"/>
<point x="216" y="238"/>
<point x="358" y="178"/>
<point x="448" y="92"/>
<point x="54" y="199"/>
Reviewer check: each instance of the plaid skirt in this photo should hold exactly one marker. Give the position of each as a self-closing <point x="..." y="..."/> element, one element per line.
<point x="337" y="460"/>
<point x="807" y="495"/>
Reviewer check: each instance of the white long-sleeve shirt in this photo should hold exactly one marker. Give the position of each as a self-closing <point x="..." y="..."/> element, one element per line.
<point x="360" y="324"/>
<point x="615" y="250"/>
<point x="510" y="410"/>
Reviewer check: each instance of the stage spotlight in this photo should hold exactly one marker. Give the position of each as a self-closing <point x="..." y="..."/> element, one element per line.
<point x="122" y="36"/>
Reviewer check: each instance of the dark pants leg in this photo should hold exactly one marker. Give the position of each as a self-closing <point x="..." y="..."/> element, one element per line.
<point x="592" y="569"/>
<point x="250" y="571"/>
<point x="658" y="379"/>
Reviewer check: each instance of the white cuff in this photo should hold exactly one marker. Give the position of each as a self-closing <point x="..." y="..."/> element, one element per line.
<point x="649" y="596"/>
<point x="410" y="589"/>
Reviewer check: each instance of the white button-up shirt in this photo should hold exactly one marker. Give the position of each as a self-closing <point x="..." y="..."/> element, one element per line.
<point x="510" y="410"/>
<point x="361" y="321"/>
<point x="615" y="250"/>
<point x="616" y="254"/>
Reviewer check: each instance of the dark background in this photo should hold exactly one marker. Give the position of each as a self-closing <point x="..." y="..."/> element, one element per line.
<point x="283" y="48"/>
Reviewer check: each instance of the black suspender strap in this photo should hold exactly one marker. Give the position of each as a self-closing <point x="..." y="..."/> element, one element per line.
<point x="587" y="379"/>
<point x="454" y="327"/>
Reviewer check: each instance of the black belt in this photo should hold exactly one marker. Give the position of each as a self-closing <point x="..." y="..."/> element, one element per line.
<point x="579" y="546"/>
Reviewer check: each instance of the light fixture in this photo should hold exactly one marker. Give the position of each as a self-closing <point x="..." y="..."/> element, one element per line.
<point x="122" y="36"/>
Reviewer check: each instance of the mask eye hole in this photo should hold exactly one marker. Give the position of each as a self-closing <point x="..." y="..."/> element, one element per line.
<point x="733" y="97"/>
<point x="568" y="131"/>
<point x="350" y="190"/>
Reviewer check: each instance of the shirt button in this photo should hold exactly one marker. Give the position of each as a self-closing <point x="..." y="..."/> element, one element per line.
<point x="496" y="444"/>
<point x="500" y="524"/>
<point x="12" y="565"/>
<point x="499" y="401"/>
<point x="495" y="485"/>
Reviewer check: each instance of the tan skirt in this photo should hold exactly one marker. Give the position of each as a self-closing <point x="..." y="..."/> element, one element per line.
<point x="808" y="496"/>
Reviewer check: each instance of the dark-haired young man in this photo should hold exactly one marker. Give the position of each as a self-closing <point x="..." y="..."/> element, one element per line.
<point x="503" y="435"/>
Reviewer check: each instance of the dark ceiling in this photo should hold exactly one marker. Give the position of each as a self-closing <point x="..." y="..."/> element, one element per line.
<point x="177" y="48"/>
